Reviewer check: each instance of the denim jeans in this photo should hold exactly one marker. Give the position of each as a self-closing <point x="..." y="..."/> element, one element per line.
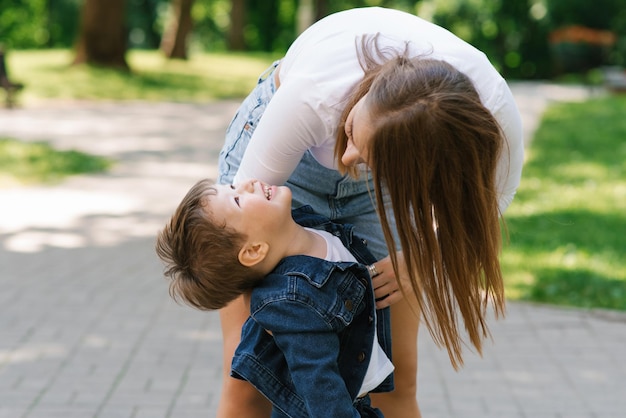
<point x="339" y="198"/>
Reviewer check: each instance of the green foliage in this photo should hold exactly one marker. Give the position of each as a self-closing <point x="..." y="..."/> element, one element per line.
<point x="63" y="18"/>
<point x="263" y="25"/>
<point x="567" y="223"/>
<point x="24" y="162"/>
<point x="271" y="24"/>
<point x="211" y="21"/>
<point x="48" y="74"/>
<point x="23" y="23"/>
<point x="597" y="14"/>
<point x="54" y="23"/>
<point x="145" y="18"/>
<point x="513" y="34"/>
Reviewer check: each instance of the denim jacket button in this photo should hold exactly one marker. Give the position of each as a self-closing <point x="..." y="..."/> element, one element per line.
<point x="348" y="304"/>
<point x="361" y="357"/>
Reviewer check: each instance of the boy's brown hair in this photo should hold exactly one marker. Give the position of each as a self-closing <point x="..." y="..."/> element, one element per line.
<point x="200" y="255"/>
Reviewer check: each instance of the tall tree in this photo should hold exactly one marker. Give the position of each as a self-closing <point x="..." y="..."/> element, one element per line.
<point x="102" y="38"/>
<point x="306" y="15"/>
<point x="175" y="39"/>
<point x="236" y="38"/>
<point x="263" y="16"/>
<point x="321" y="9"/>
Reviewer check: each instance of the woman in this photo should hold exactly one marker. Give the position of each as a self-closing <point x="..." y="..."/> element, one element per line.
<point x="378" y="118"/>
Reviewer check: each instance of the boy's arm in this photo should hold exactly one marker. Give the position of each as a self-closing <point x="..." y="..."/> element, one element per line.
<point x="311" y="349"/>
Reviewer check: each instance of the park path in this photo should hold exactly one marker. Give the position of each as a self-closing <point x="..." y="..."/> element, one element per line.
<point x="87" y="328"/>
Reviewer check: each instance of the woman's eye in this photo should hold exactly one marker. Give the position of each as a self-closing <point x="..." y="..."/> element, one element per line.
<point x="232" y="186"/>
<point x="237" y="200"/>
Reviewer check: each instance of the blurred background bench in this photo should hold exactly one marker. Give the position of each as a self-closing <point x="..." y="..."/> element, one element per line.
<point x="615" y="79"/>
<point x="11" y="88"/>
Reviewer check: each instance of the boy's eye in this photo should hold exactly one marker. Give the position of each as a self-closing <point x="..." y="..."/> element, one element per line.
<point x="237" y="200"/>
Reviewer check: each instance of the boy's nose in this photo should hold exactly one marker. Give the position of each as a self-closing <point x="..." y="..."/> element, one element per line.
<point x="247" y="186"/>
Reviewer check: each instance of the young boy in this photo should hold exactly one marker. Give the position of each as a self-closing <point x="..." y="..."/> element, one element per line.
<point x="314" y="344"/>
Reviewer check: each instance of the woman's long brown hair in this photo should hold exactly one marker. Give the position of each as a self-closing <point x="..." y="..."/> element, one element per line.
<point x="434" y="152"/>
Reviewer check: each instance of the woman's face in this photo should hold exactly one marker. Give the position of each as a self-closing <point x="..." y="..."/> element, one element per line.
<point x="359" y="131"/>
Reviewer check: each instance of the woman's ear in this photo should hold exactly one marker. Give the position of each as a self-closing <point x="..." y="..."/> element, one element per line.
<point x="252" y="254"/>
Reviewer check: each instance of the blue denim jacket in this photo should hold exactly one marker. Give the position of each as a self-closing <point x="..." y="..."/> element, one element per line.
<point x="320" y="315"/>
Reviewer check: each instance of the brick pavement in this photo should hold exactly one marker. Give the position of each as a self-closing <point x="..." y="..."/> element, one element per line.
<point x="87" y="328"/>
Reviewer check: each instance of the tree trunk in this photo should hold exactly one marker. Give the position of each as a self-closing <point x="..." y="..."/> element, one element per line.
<point x="174" y="42"/>
<point x="321" y="9"/>
<point x="306" y="14"/>
<point x="102" y="38"/>
<point x="266" y="21"/>
<point x="236" y="39"/>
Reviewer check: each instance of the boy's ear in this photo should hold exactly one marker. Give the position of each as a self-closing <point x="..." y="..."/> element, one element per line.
<point x="252" y="253"/>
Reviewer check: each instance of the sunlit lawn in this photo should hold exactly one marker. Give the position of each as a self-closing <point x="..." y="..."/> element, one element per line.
<point x="37" y="162"/>
<point x="567" y="224"/>
<point x="48" y="74"/>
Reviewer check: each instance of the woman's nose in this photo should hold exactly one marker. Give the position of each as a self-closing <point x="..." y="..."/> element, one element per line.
<point x="351" y="156"/>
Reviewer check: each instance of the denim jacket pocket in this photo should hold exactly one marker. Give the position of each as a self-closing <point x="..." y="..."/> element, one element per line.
<point x="350" y="300"/>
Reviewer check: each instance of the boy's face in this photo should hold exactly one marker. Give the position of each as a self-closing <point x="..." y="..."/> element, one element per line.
<point x="253" y="208"/>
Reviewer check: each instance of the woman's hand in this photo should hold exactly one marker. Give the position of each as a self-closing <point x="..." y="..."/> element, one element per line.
<point x="386" y="287"/>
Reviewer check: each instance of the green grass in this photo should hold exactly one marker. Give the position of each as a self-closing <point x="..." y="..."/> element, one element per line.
<point x="37" y="162"/>
<point x="567" y="225"/>
<point x="48" y="74"/>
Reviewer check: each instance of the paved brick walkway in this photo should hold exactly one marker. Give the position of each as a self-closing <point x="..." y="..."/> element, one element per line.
<point x="87" y="328"/>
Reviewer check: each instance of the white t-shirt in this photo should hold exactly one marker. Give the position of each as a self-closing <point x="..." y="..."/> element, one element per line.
<point x="320" y="70"/>
<point x="379" y="366"/>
